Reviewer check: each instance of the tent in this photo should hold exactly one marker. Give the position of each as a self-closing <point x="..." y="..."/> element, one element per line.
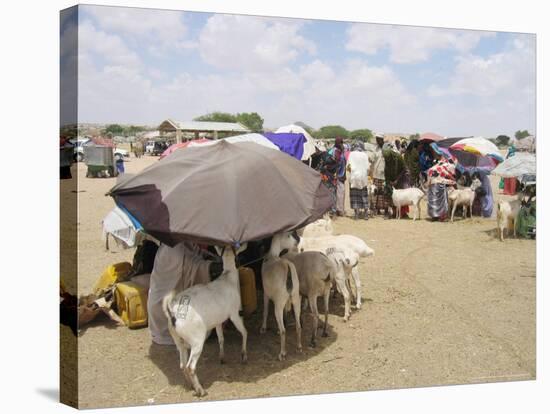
<point x="289" y="142"/>
<point x="309" y="145"/>
<point x="522" y="163"/>
<point x="256" y="138"/>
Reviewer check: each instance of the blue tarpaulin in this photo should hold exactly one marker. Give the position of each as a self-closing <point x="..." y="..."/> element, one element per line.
<point x="291" y="143"/>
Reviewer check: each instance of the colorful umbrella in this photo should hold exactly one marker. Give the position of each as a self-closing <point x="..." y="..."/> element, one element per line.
<point x="476" y="152"/>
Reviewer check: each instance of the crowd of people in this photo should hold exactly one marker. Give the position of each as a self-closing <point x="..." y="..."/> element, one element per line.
<point x="396" y="165"/>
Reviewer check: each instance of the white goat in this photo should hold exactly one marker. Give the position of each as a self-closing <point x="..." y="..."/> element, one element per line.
<point x="316" y="273"/>
<point x="193" y="312"/>
<point x="319" y="228"/>
<point x="346" y="261"/>
<point x="353" y="248"/>
<point x="464" y="197"/>
<point x="407" y="197"/>
<point x="281" y="285"/>
<point x="507" y="213"/>
<point x="342" y="240"/>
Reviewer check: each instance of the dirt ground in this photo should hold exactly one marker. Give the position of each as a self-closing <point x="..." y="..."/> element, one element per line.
<point x="444" y="303"/>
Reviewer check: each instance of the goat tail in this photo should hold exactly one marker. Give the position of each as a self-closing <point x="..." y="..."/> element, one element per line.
<point x="166" y="307"/>
<point x="291" y="275"/>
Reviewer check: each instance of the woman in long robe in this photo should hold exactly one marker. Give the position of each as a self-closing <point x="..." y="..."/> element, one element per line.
<point x="441" y="175"/>
<point x="396" y="174"/>
<point x="486" y="199"/>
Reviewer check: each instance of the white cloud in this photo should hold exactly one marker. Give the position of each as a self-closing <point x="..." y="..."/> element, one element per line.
<point x="259" y="57"/>
<point x="251" y="43"/>
<point x="164" y="28"/>
<point x="108" y="47"/>
<point x="509" y="74"/>
<point x="408" y="44"/>
<point x="354" y="94"/>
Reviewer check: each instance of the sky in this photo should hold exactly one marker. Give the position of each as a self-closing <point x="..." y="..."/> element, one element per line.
<point x="142" y="66"/>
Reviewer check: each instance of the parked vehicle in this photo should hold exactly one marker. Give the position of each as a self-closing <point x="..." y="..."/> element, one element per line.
<point x="149" y="146"/>
<point x="159" y="147"/>
<point x="79" y="143"/>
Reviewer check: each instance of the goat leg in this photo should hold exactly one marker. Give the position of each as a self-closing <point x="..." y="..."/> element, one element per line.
<point x="196" y="351"/>
<point x="279" y="309"/>
<point x="219" y="332"/>
<point x="266" y="310"/>
<point x="326" y="298"/>
<point x="315" y="320"/>
<point x="238" y="322"/>
<point x="298" y="317"/>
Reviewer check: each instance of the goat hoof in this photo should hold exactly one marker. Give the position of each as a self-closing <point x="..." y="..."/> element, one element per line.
<point x="200" y="393"/>
<point x="313" y="344"/>
<point x="299" y="349"/>
<point x="222" y="361"/>
<point x="262" y="330"/>
<point x="282" y="357"/>
<point x="324" y="335"/>
<point x="244" y="358"/>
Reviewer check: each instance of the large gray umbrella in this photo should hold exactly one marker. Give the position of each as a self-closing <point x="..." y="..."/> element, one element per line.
<point x="223" y="194"/>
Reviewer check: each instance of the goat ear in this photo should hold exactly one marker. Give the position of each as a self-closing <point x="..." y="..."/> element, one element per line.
<point x="219" y="250"/>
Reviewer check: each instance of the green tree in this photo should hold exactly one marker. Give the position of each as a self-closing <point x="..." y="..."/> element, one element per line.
<point x="333" y="131"/>
<point x="114" y="129"/>
<point x="133" y="129"/>
<point x="251" y="120"/>
<point x="522" y="134"/>
<point x="502" y="140"/>
<point x="364" y="135"/>
<point x="217" y="117"/>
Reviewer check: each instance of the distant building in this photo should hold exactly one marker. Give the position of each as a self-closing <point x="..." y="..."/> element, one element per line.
<point x="195" y="129"/>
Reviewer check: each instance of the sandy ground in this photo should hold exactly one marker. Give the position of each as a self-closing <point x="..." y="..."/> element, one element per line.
<point x="444" y="303"/>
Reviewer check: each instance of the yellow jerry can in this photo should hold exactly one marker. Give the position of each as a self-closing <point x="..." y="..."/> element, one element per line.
<point x="113" y="274"/>
<point x="131" y="303"/>
<point x="249" y="298"/>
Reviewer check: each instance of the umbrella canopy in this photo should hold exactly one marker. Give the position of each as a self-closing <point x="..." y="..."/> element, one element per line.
<point x="309" y="145"/>
<point x="223" y="194"/>
<point x="476" y="152"/>
<point x="179" y="145"/>
<point x="520" y="164"/>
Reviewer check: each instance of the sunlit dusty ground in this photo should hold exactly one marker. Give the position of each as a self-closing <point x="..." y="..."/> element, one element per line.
<point x="443" y="304"/>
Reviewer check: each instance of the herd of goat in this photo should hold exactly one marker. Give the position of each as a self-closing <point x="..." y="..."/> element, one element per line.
<point x="296" y="269"/>
<point x="507" y="211"/>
